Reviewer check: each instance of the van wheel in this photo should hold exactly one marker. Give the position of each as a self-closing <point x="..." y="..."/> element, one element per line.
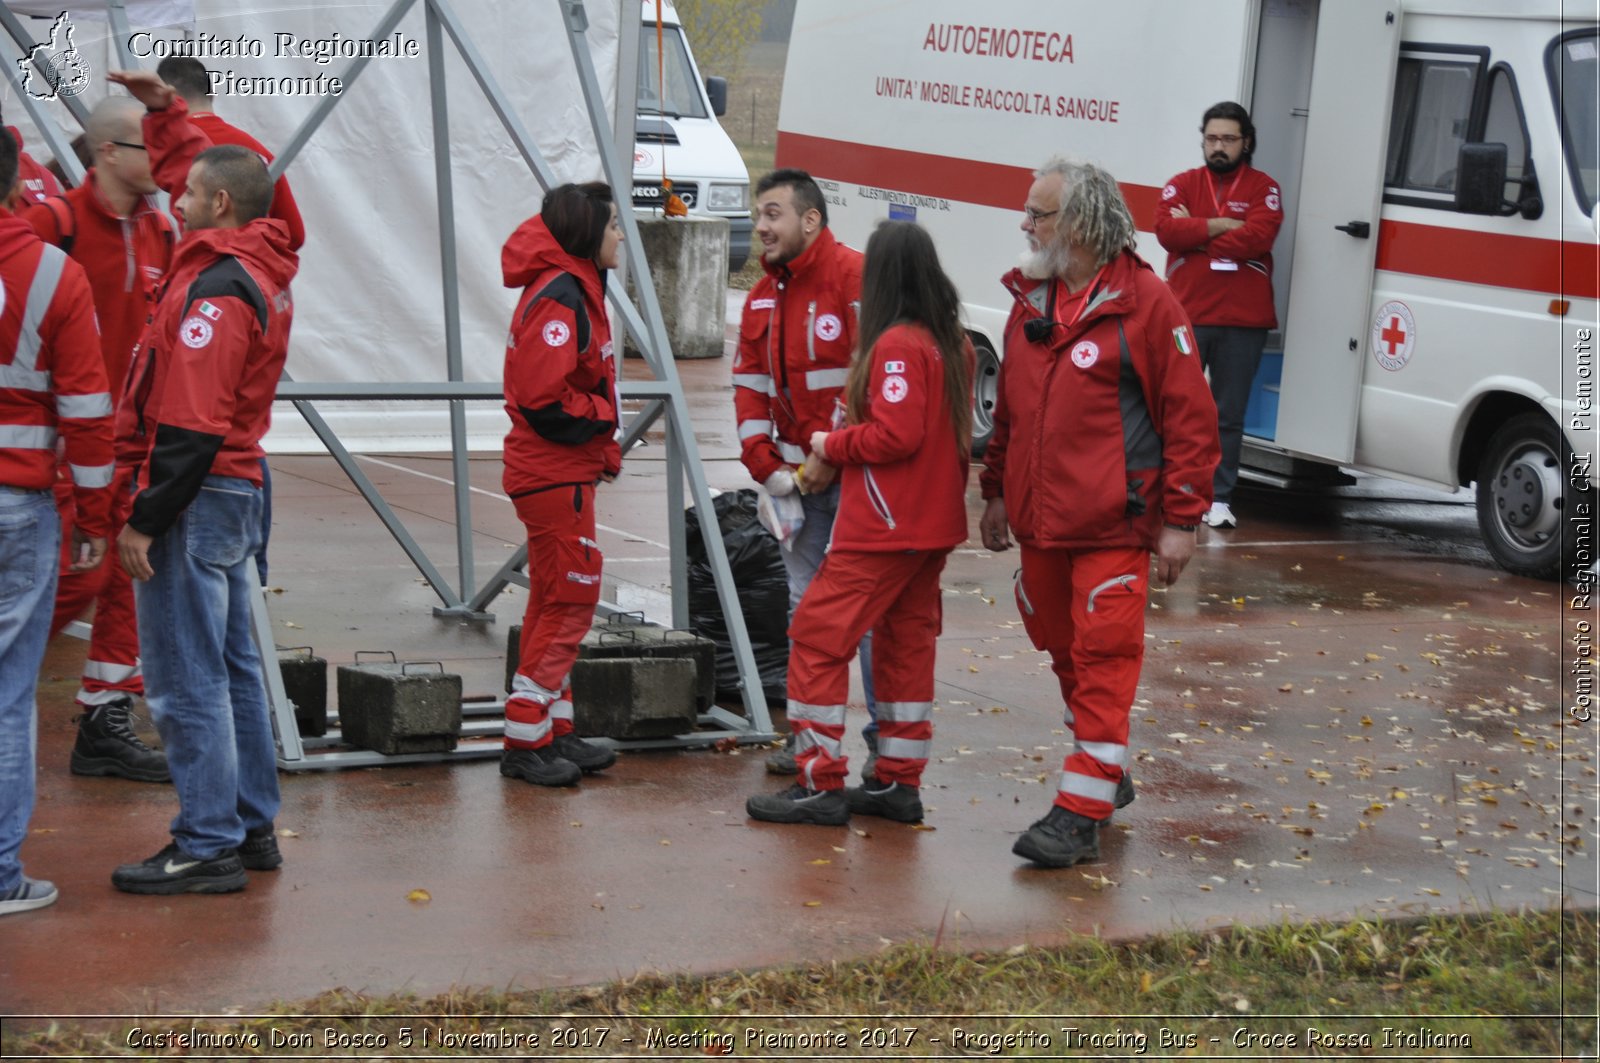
<point x="1523" y="493"/>
<point x="985" y="393"/>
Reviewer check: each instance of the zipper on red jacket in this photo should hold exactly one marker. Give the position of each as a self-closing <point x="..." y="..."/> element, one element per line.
<point x="811" y="331"/>
<point x="1125" y="582"/>
<point x="875" y="496"/>
<point x="128" y="234"/>
<point x="1022" y="594"/>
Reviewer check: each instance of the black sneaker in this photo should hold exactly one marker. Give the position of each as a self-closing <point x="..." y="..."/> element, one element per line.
<point x="107" y="745"/>
<point x="260" y="850"/>
<point x="586" y="755"/>
<point x="893" y="800"/>
<point x="1060" y="839"/>
<point x="782" y="761"/>
<point x="869" y="770"/>
<point x="539" y="766"/>
<point x="174" y="871"/>
<point x="798" y="805"/>
<point x="1125" y="793"/>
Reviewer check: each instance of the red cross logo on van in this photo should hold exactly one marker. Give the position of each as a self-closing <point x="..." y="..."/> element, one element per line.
<point x="1394" y="333"/>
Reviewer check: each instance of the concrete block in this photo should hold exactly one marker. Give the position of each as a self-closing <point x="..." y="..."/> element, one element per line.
<point x="396" y="708"/>
<point x="634" y="697"/>
<point x="305" y="681"/>
<point x="613" y="640"/>
<point x="688" y="260"/>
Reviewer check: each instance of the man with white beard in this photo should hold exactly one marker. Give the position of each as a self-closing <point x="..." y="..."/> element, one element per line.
<point x="1104" y="446"/>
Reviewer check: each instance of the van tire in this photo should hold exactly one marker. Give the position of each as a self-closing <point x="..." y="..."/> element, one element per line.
<point x="1524" y="490"/>
<point x="985" y="392"/>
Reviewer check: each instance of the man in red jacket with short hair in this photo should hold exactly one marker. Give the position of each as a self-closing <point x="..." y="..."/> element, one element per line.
<point x="112" y="227"/>
<point x="198" y="401"/>
<point x="1104" y="445"/>
<point x="1218" y="223"/>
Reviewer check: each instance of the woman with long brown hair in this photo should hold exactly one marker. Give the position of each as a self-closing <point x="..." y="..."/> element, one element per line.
<point x="903" y="454"/>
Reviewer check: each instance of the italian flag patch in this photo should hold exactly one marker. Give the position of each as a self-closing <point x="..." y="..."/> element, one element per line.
<point x="210" y="310"/>
<point x="1182" y="340"/>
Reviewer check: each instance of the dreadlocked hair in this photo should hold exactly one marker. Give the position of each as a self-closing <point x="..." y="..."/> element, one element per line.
<point x="1095" y="215"/>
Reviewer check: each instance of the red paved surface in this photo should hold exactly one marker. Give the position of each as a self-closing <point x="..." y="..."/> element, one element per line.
<point x="1345" y="711"/>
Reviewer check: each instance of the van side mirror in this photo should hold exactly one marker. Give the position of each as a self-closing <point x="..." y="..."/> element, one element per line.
<point x="1481" y="178"/>
<point x="717" y="90"/>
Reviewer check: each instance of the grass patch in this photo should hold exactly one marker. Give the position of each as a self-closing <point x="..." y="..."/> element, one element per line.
<point x="1514" y="985"/>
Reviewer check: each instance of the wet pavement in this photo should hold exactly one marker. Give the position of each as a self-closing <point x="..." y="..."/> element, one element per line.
<point x="1345" y="710"/>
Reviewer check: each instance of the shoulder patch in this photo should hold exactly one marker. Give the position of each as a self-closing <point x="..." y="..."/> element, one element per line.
<point x="566" y="290"/>
<point x="228" y="279"/>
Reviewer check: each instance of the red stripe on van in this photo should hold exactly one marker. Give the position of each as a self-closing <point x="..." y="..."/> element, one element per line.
<point x="1571" y="270"/>
<point x="988" y="184"/>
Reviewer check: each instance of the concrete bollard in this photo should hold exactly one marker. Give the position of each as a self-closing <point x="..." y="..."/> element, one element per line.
<point x="688" y="260"/>
<point x="388" y="707"/>
<point x="651" y="641"/>
<point x="633" y="697"/>
<point x="305" y="682"/>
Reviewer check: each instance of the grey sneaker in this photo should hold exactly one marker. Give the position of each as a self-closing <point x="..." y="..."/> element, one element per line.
<point x="174" y="871"/>
<point x="890" y="800"/>
<point x="782" y="761"/>
<point x="28" y="894"/>
<point x="799" y="805"/>
<point x="108" y="745"/>
<point x="588" y="756"/>
<point x="1060" y="839"/>
<point x="869" y="770"/>
<point x="1125" y="793"/>
<point x="539" y="766"/>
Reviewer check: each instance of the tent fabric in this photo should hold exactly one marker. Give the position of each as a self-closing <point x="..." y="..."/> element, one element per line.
<point x="369" y="295"/>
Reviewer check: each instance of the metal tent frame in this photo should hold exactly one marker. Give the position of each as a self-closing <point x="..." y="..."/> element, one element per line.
<point x="663" y="396"/>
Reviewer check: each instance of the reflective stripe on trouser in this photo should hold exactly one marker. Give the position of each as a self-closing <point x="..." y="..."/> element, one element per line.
<point x="896" y="596"/>
<point x="112" y="669"/>
<point x="1095" y="654"/>
<point x="563" y="588"/>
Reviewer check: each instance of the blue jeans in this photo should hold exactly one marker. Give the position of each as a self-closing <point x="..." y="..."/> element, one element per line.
<point x="30" y="551"/>
<point x="202" y="674"/>
<point x="802" y="561"/>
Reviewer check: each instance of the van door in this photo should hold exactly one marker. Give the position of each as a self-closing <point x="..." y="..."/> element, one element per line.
<point x="1336" y="241"/>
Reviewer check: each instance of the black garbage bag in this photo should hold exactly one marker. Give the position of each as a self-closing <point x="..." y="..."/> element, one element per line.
<point x="763" y="585"/>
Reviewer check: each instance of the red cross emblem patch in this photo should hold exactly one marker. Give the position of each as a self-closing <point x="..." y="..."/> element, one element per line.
<point x="195" y="332"/>
<point x="1394" y="335"/>
<point x="895" y="389"/>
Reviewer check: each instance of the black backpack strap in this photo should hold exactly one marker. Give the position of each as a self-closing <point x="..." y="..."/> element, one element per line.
<point x="60" y="208"/>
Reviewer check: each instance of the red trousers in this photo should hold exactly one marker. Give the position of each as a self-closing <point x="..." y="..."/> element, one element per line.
<point x="1086" y="609"/>
<point x="112" y="668"/>
<point x="896" y="597"/>
<point x="563" y="589"/>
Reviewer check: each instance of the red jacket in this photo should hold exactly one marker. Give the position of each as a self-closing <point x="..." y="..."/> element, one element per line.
<point x="199" y="392"/>
<point x="1226" y="280"/>
<point x="284" y="208"/>
<point x="34" y="182"/>
<point x="51" y="379"/>
<point x="903" y="471"/>
<point x="560" y="375"/>
<point x="796" y="336"/>
<point x="1096" y="443"/>
<point x="124" y="259"/>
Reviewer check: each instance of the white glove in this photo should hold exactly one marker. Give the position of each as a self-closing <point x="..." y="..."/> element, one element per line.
<point x="780" y="483"/>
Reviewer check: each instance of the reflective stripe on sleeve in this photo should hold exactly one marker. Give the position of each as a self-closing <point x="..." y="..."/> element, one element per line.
<point x="753" y="429"/>
<point x="757" y="382"/>
<point x="28" y="436"/>
<point x="92" y="475"/>
<point x="96" y="404"/>
<point x="818" y="379"/>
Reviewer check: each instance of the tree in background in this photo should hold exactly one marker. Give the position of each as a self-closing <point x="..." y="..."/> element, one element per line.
<point x="719" y="32"/>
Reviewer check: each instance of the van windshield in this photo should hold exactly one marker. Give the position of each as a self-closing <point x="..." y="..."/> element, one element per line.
<point x="683" y="98"/>
<point x="1574" y="62"/>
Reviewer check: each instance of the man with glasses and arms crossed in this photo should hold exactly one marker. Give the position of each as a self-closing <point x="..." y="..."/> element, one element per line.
<point x="1218" y="223"/>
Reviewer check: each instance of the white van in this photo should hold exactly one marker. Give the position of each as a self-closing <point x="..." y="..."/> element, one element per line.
<point x="679" y="134"/>
<point x="1437" y="268"/>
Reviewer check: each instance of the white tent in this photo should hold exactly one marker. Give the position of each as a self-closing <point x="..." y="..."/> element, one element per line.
<point x="368" y="302"/>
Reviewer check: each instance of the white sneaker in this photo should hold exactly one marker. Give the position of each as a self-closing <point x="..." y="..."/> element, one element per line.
<point x="1220" y="515"/>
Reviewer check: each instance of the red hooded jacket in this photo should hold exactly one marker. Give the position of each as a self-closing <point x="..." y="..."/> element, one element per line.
<point x="51" y="379"/>
<point x="903" y="472"/>
<point x="198" y="397"/>
<point x="1225" y="280"/>
<point x="796" y="336"/>
<point x="124" y="258"/>
<point x="560" y="375"/>
<point x="1097" y="441"/>
<point x="35" y="183"/>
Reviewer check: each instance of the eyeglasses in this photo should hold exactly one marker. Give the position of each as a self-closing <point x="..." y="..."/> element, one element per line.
<point x="1037" y="216"/>
<point x="1216" y="141"/>
<point x="128" y="144"/>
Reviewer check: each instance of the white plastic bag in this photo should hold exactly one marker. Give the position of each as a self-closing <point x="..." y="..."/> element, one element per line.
<point x="783" y="516"/>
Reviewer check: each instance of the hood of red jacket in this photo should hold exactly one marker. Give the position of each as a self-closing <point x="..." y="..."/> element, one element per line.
<point x="1111" y="291"/>
<point x="15" y="234"/>
<point x="532" y="250"/>
<point x="262" y="244"/>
